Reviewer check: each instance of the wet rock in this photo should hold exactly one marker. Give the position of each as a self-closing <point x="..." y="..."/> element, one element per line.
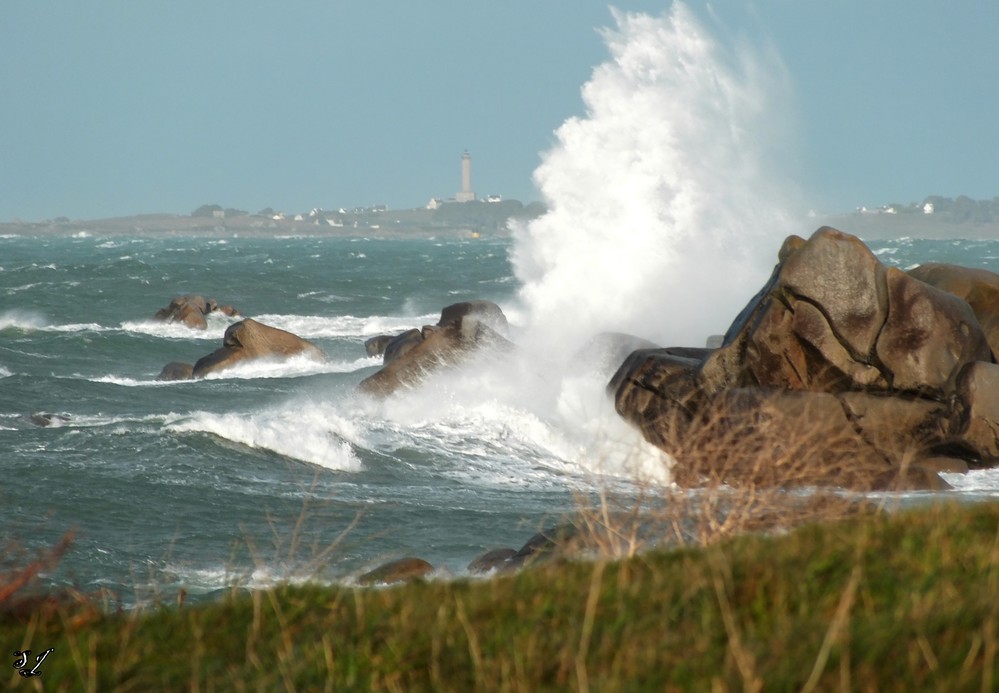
<point x="401" y="570"/>
<point x="375" y="346"/>
<point x="45" y="419"/>
<point x="436" y="349"/>
<point x="191" y="309"/>
<point x="485" y="312"/>
<point x="494" y="559"/>
<point x="176" y="370"/>
<point x="401" y="344"/>
<point x="250" y="340"/>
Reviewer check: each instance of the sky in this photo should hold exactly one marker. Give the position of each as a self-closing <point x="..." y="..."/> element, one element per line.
<point x="115" y="107"/>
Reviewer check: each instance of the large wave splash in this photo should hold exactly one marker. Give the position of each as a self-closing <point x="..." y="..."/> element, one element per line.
<point x="663" y="216"/>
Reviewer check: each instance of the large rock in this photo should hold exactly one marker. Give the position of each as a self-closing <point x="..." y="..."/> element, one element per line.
<point x="898" y="367"/>
<point x="975" y="415"/>
<point x="979" y="288"/>
<point x="248" y="340"/>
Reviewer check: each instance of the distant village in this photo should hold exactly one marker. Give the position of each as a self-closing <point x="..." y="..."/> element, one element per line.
<point x="961" y="210"/>
<point x="463" y="214"/>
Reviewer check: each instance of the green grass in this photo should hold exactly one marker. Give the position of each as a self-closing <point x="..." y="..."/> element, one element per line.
<point x="908" y="602"/>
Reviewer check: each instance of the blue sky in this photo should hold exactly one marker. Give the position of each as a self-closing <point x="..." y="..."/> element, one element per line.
<point x="113" y="108"/>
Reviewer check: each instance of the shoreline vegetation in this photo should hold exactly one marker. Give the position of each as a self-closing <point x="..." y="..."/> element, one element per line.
<point x="948" y="219"/>
<point x="900" y="600"/>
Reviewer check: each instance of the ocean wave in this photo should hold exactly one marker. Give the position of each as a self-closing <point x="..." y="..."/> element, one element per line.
<point x="978" y="482"/>
<point x="217" y="324"/>
<point x="295" y="367"/>
<point x="24" y="320"/>
<point x="315" y="326"/>
<point x="518" y="433"/>
<point x="31" y="321"/>
<point x="304" y="433"/>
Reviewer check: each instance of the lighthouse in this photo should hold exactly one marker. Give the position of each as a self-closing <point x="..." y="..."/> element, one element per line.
<point x="466" y="194"/>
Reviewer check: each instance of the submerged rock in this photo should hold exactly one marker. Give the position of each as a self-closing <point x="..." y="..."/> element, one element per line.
<point x="45" y="419"/>
<point x="401" y="570"/>
<point x="176" y="370"/>
<point x="494" y="559"/>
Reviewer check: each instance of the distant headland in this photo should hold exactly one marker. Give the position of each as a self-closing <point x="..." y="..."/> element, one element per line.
<point x="451" y="219"/>
<point x="935" y="217"/>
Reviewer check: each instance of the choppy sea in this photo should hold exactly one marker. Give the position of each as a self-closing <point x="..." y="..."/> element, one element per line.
<point x="281" y="471"/>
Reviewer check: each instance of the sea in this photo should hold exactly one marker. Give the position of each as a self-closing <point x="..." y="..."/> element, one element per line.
<point x="281" y="471"/>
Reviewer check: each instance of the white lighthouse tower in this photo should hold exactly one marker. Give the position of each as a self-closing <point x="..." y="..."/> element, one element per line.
<point x="466" y="194"/>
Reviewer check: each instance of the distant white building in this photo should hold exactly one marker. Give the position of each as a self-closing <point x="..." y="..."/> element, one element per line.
<point x="928" y="208"/>
<point x="494" y="198"/>
<point x="435" y="203"/>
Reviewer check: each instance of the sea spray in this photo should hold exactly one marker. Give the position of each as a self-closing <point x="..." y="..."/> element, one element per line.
<point x="663" y="218"/>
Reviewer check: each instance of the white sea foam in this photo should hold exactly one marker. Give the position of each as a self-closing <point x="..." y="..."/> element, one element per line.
<point x="526" y="427"/>
<point x="980" y="482"/>
<point x="316" y="326"/>
<point x="216" y="326"/>
<point x="5" y="373"/>
<point x="22" y="320"/>
<point x="307" y="432"/>
<point x="663" y="216"/>
<point x="294" y="367"/>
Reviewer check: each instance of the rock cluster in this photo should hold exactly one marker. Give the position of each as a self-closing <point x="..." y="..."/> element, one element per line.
<point x="873" y="377"/>
<point x="558" y="540"/>
<point x="191" y="310"/>
<point x="463" y="329"/>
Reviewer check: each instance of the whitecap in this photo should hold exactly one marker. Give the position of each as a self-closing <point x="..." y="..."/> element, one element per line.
<point x="302" y="432"/>
<point x="22" y="320"/>
<point x="294" y="367"/>
<point x="216" y="326"/>
<point x="315" y="326"/>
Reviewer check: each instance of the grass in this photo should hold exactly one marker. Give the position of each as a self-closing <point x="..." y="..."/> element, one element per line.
<point x="904" y="601"/>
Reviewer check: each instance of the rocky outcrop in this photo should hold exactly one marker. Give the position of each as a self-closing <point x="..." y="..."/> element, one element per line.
<point x="243" y="341"/>
<point x="861" y="369"/>
<point x="191" y="310"/>
<point x="463" y="330"/>
<point x="249" y="340"/>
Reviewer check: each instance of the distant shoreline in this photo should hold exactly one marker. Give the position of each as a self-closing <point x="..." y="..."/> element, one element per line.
<point x="166" y="225"/>
<point x="867" y="226"/>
